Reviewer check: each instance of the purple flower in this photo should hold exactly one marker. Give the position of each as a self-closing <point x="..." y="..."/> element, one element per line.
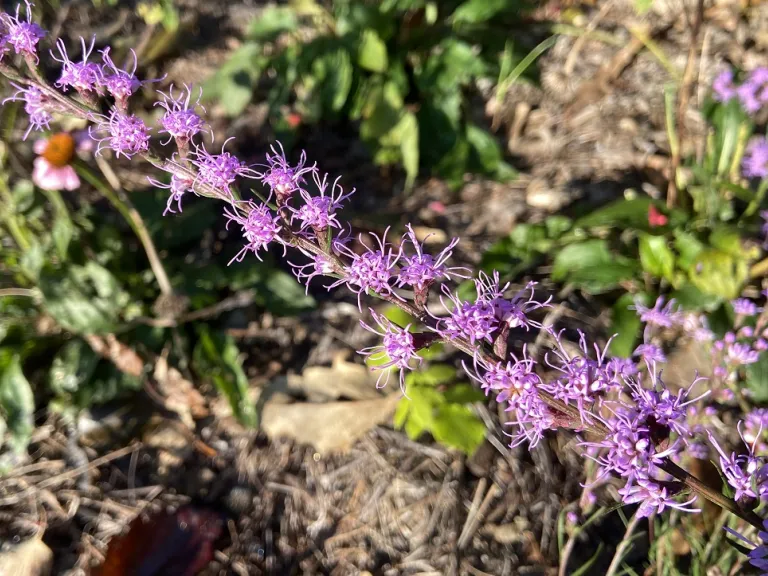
<point x="371" y="270"/>
<point x="758" y="556"/>
<point x="22" y="36"/>
<point x="178" y="187"/>
<point x="745" y="307"/>
<point x="660" y="315"/>
<point x="513" y="381"/>
<point x="36" y="105"/>
<point x="319" y="212"/>
<point x="582" y="379"/>
<point x="619" y="369"/>
<point x="723" y="88"/>
<point x="422" y="269"/>
<point x="397" y="348"/>
<point x="653" y="496"/>
<point x="121" y="84"/>
<point x="180" y="120"/>
<point x="475" y="321"/>
<point x="282" y="178"/>
<point x="659" y="405"/>
<point x="650" y="353"/>
<point x="320" y="266"/>
<point x="258" y="225"/>
<point x="745" y="473"/>
<point x="83" y="76"/>
<point x="739" y="354"/>
<point x="219" y="171"/>
<point x="127" y="135"/>
<point x="512" y="312"/>
<point x="629" y="448"/>
<point x="753" y="93"/>
<point x="755" y="162"/>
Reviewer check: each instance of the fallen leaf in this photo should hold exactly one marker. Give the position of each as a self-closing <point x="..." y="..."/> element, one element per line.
<point x="31" y="558"/>
<point x="330" y="427"/>
<point x="341" y="380"/>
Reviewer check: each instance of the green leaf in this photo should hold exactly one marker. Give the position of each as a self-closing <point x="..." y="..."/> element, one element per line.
<point x="398" y="316"/>
<point x="334" y="70"/>
<point x="452" y="64"/>
<point x="408" y="130"/>
<point x="83" y="299"/>
<point x="464" y="394"/>
<point x="72" y="367"/>
<point x="372" y="52"/>
<point x="478" y="11"/>
<point x="757" y="380"/>
<point x="688" y="247"/>
<point x="106" y="384"/>
<point x="234" y="82"/>
<point x="271" y="22"/>
<point x="485" y="148"/>
<point x="435" y="375"/>
<point x="382" y="111"/>
<point x="691" y="298"/>
<point x="632" y="213"/>
<point x="32" y="260"/>
<point x="727" y="240"/>
<point x="656" y="257"/>
<point x="557" y="226"/>
<point x="719" y="273"/>
<point x="217" y="357"/>
<point x="457" y="426"/>
<point x="17" y="402"/>
<point x="626" y="324"/>
<point x="592" y="266"/>
<point x="62" y="234"/>
<point x="283" y="295"/>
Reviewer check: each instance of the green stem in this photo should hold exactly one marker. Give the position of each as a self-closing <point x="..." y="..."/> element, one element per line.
<point x="758" y="199"/>
<point x="120" y="201"/>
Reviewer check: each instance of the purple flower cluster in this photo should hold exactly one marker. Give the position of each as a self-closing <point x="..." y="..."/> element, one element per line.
<point x="755" y="161"/>
<point x="397" y="349"/>
<point x="752" y="93"/>
<point x="36" y="105"/>
<point x="21" y="35"/>
<point x="747" y="474"/>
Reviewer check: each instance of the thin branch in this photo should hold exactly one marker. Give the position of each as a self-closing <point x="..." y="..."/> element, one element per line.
<point x="623" y="545"/>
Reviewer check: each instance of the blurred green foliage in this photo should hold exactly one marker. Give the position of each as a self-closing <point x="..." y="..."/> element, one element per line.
<point x="698" y="253"/>
<point x="71" y="269"/>
<point x="402" y="71"/>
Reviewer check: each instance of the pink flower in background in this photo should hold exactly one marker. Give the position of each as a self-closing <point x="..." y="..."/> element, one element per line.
<point x="52" y="168"/>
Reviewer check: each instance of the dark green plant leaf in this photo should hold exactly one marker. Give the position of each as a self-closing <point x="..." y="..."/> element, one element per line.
<point x="464" y="394"/>
<point x="83" y="299"/>
<point x="691" y="298"/>
<point x="656" y="257"/>
<point x="457" y="426"/>
<point x="408" y="134"/>
<point x="688" y="248"/>
<point x="757" y="380"/>
<point x="592" y="266"/>
<point x="72" y="367"/>
<point x="216" y="357"/>
<point x="106" y="384"/>
<point x="282" y="294"/>
<point x="17" y="402"/>
<point x="625" y="323"/>
<point x="372" y="52"/>
<point x="478" y="11"/>
<point x="271" y="22"/>
<point x="485" y="148"/>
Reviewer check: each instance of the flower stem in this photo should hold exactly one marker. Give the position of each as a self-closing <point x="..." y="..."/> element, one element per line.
<point x="120" y="201"/>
